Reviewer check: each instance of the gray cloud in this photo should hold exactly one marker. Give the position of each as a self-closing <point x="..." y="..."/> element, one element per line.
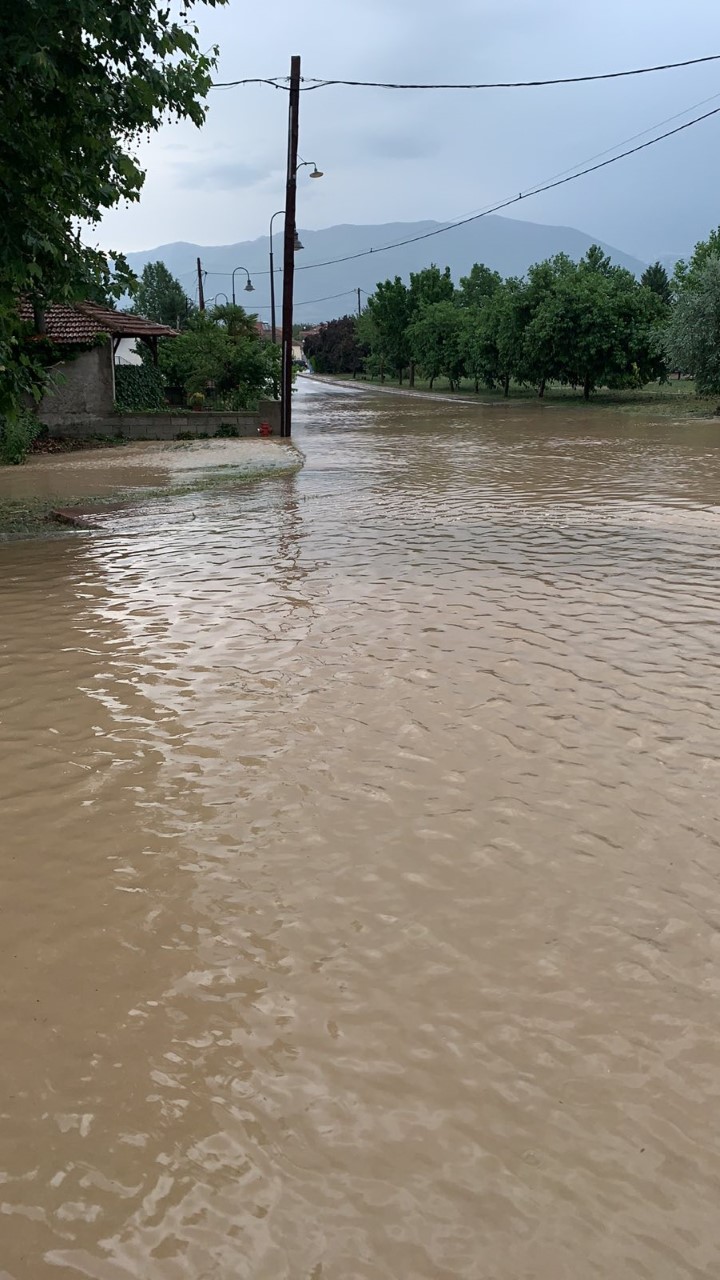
<point x="396" y="146"/>
<point x="400" y="156"/>
<point x="221" y="175"/>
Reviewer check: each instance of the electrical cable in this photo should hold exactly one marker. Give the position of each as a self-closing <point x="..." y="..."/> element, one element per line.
<point x="538" y="189"/>
<point x="281" y="82"/>
<point x="310" y="302"/>
<point x="506" y="204"/>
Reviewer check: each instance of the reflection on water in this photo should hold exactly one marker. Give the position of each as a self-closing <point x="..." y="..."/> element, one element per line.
<point x="360" y="875"/>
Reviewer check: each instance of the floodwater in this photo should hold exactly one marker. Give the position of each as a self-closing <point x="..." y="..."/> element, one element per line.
<point x="360" y="870"/>
<point x="113" y="472"/>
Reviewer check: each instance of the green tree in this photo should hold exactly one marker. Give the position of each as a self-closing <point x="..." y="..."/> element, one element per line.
<point x="426" y="287"/>
<point x="687" y="275"/>
<point x="481" y="283"/>
<point x="430" y="285"/>
<point x="384" y="325"/>
<point x="595" y="326"/>
<point x="596" y="260"/>
<point x="336" y="348"/>
<point x="82" y="83"/>
<point x="228" y="359"/>
<point x="507" y="322"/>
<point x="160" y="297"/>
<point x="478" y="344"/>
<point x="656" y="278"/>
<point x="436" y="345"/>
<point x="538" y="355"/>
<point x="692" y="337"/>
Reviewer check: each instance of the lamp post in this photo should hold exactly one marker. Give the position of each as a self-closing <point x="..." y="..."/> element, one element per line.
<point x="272" y="277"/>
<point x="298" y="245"/>
<point x="220" y="295"/>
<point x="249" y="287"/>
<point x="290" y="242"/>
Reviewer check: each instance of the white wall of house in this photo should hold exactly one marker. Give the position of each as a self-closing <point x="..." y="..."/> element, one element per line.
<point x="127" y="352"/>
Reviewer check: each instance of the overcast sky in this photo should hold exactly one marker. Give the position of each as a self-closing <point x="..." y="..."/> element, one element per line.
<point x="401" y="156"/>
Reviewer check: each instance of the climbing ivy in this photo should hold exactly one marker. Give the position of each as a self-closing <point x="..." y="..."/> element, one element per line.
<point x="139" y="388"/>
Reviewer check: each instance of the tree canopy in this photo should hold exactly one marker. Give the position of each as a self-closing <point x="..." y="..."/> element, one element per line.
<point x="687" y="275"/>
<point x="586" y="324"/>
<point x="693" y="333"/>
<point x="655" y="277"/>
<point x="160" y="297"/>
<point x="220" y="353"/>
<point x="82" y="83"/>
<point x="384" y="324"/>
<point x="335" y="347"/>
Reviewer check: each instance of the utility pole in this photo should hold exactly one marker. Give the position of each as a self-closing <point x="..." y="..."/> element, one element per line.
<point x="289" y="248"/>
<point x="359" y="305"/>
<point x="201" y="291"/>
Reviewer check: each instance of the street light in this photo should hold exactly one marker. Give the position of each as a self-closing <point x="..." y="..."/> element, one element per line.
<point x="316" y="173"/>
<point x="220" y="295"/>
<point x="297" y="246"/>
<point x="249" y="287"/>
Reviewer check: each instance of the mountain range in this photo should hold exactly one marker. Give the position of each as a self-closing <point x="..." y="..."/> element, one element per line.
<point x="507" y="245"/>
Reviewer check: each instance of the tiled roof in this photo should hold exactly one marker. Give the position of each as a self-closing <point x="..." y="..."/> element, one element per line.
<point x="83" y="321"/>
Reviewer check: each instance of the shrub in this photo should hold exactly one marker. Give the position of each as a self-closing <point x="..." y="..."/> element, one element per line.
<point x="16" y="435"/>
<point x="139" y="388"/>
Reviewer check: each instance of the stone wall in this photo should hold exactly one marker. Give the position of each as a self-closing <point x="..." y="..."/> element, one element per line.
<point x="82" y="388"/>
<point x="162" y="426"/>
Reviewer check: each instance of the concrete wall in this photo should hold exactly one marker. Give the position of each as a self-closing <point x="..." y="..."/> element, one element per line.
<point x="84" y="387"/>
<point x="164" y="426"/>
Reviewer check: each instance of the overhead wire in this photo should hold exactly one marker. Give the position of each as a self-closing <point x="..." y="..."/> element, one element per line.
<point x="310" y="83"/>
<point x="565" y="176"/>
<point x="310" y="302"/>
<point x="506" y="204"/>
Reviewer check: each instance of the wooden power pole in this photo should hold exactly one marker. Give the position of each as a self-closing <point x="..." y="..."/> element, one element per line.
<point x="201" y="291"/>
<point x="289" y="249"/>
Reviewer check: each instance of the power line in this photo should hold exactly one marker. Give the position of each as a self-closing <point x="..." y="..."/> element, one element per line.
<point x="275" y="82"/>
<point x="642" y="134"/>
<point x="505" y="204"/>
<point x="308" y="84"/>
<point x="310" y="302"/>
<point x="538" y="189"/>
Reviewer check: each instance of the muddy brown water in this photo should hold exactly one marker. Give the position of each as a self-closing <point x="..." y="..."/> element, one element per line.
<point x="360" y="879"/>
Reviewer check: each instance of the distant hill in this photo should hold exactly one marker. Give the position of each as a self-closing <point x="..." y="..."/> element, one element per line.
<point x="505" y="244"/>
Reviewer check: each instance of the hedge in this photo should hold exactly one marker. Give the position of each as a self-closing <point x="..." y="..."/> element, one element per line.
<point x="139" y="388"/>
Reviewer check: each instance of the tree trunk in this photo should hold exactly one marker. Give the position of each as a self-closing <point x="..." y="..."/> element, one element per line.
<point x="586" y="387"/>
<point x="506" y="385"/>
<point x="541" y="388"/>
<point x="382" y="370"/>
<point x="432" y="379"/>
<point x="400" y="376"/>
<point x="477" y="385"/>
<point x="411" y="374"/>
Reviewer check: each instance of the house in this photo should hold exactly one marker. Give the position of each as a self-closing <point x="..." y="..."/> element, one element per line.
<point x="84" y="386"/>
